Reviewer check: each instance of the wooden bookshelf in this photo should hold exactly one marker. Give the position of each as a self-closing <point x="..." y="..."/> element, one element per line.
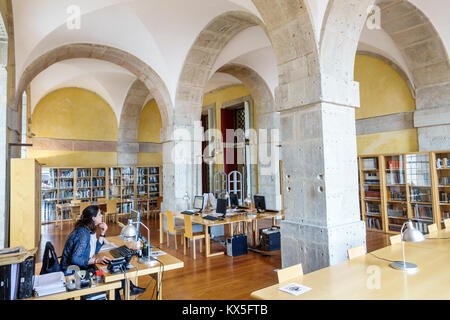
<point x="412" y="186"/>
<point x="62" y="185"/>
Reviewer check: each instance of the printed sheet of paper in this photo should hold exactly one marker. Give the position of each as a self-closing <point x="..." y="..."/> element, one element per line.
<point x="295" y="289"/>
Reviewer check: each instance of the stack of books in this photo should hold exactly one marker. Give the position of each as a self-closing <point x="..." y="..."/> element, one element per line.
<point x="49" y="283"/>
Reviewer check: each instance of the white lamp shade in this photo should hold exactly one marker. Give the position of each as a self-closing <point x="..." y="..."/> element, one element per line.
<point x="411" y="234"/>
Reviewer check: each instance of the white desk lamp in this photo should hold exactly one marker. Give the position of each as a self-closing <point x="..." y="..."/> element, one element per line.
<point x="130" y="233"/>
<point x="410" y="234"/>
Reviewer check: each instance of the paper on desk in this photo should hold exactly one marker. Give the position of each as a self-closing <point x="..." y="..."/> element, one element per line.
<point x="295" y="289"/>
<point x="156" y="253"/>
<point x="107" y="246"/>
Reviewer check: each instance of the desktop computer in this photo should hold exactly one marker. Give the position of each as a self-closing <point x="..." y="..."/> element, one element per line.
<point x="234" y="201"/>
<point x="221" y="207"/>
<point x="237" y="245"/>
<point x="198" y="204"/>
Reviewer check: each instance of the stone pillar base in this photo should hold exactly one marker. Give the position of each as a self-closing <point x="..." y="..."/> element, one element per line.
<point x="317" y="247"/>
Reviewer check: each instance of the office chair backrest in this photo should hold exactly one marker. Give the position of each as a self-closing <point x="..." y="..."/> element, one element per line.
<point x="188" y="225"/>
<point x="291" y="272"/>
<point x="395" y="239"/>
<point x="170" y="224"/>
<point x="447" y="223"/>
<point x="50" y="262"/>
<point x="432" y="228"/>
<point x="356" y="252"/>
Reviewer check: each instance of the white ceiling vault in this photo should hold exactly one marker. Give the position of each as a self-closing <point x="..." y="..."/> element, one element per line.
<point x="161" y="33"/>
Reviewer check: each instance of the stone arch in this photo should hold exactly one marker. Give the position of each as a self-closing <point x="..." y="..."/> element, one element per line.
<point x="293" y="40"/>
<point x="202" y="56"/>
<point x="143" y="72"/>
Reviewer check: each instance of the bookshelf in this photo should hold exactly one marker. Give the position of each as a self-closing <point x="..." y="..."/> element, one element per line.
<point x="126" y="184"/>
<point x="442" y="198"/>
<point x="395" y="188"/>
<point x="370" y="193"/>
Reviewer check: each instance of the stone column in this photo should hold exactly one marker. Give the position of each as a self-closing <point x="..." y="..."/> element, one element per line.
<point x="320" y="177"/>
<point x="268" y="158"/>
<point x="432" y="117"/>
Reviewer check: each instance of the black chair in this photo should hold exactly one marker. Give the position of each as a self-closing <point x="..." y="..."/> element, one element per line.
<point x="50" y="262"/>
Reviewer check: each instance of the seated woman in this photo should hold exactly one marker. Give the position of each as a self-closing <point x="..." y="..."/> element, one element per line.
<point x="82" y="244"/>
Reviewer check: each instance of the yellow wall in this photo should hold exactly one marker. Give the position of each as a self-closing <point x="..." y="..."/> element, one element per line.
<point x="150" y="123"/>
<point x="383" y="91"/>
<point x="388" y="142"/>
<point x="75" y="114"/>
<point x="149" y="159"/>
<point x="51" y="158"/>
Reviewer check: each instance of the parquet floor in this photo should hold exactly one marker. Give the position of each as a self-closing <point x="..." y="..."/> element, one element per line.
<point x="215" y="278"/>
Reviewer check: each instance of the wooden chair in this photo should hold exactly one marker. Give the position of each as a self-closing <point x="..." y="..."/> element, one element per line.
<point x="356" y="252"/>
<point x="75" y="211"/>
<point x="432" y="228"/>
<point x="291" y="272"/>
<point x="395" y="239"/>
<point x="188" y="234"/>
<point x="447" y="223"/>
<point x="175" y="230"/>
<point x="101" y="199"/>
<point x="156" y="209"/>
<point x="111" y="210"/>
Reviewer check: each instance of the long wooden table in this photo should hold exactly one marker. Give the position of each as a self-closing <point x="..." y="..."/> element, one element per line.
<point x="248" y="217"/>
<point x="169" y="263"/>
<point x="369" y="277"/>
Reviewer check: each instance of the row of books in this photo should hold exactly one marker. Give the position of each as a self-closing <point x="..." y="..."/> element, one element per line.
<point x="422" y="226"/>
<point x="143" y="180"/>
<point x="99" y="193"/>
<point x="373" y="208"/>
<point x="98" y="182"/>
<point x="423" y="211"/>
<point x="370" y="164"/>
<point x="66" y="183"/>
<point x="83" y="173"/>
<point x="372" y="194"/>
<point x="83" y="183"/>
<point x="395" y="178"/>
<point x="396" y="213"/>
<point x="394" y="164"/>
<point x="421" y="194"/>
<point x="444" y="181"/>
<point x="374" y="223"/>
<point x="396" y="193"/>
<point x="442" y="163"/>
<point x="66" y="173"/>
<point x="444" y="197"/>
<point x="66" y="194"/>
<point x="46" y="195"/>
<point x="86" y="193"/>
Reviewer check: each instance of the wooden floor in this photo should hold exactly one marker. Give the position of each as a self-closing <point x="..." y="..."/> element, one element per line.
<point x="215" y="278"/>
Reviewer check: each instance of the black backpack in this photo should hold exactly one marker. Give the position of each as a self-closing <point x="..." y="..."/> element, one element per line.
<point x="50" y="263"/>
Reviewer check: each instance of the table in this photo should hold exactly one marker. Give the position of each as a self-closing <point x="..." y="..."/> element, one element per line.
<point x="247" y="217"/>
<point x="370" y="278"/>
<point x="77" y="294"/>
<point x="141" y="269"/>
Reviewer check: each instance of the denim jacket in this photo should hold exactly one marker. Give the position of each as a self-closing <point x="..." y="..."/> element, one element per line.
<point x="77" y="249"/>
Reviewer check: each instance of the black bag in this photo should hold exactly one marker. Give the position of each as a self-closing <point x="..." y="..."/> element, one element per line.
<point x="50" y="263"/>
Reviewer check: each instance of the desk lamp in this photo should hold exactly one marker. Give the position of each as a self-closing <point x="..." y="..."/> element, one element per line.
<point x="187" y="199"/>
<point x="408" y="234"/>
<point x="130" y="233"/>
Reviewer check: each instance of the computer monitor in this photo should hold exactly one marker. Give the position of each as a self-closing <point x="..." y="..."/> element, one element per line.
<point x="260" y="203"/>
<point x="221" y="207"/>
<point x="198" y="203"/>
<point x="234" y="201"/>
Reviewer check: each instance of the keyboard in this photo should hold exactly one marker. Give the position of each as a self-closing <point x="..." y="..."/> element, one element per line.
<point x="122" y="251"/>
<point x="208" y="217"/>
<point x="188" y="212"/>
<point x="270" y="210"/>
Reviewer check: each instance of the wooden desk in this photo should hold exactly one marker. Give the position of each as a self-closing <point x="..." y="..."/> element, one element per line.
<point x="356" y="279"/>
<point x="77" y="294"/>
<point x="141" y="269"/>
<point x="238" y="218"/>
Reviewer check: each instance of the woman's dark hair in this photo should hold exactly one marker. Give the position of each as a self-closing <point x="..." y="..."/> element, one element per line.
<point x="85" y="219"/>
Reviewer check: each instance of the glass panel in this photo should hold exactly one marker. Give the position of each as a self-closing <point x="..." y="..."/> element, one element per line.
<point x="443" y="172"/>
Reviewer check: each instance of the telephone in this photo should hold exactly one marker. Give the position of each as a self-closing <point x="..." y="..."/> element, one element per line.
<point x="118" y="265"/>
